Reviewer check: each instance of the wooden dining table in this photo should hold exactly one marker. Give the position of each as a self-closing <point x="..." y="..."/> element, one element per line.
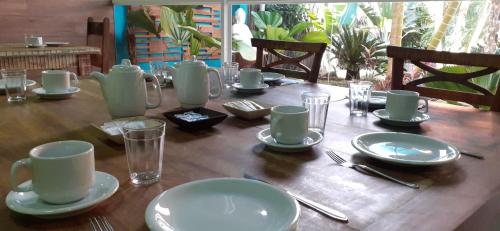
<point x="453" y="196"/>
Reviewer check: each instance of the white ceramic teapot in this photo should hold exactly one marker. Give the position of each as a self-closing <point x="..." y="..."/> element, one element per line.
<point x="192" y="83"/>
<point x="125" y="90"/>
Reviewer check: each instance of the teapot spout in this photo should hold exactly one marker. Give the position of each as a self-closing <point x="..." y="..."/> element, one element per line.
<point x="99" y="76"/>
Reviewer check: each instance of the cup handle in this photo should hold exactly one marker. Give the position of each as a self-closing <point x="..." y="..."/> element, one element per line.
<point x="426" y="105"/>
<point x="74" y="83"/>
<point x="13" y="175"/>
<point x="220" y="87"/>
<point x="158" y="91"/>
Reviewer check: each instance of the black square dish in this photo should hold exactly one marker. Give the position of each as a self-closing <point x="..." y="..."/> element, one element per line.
<point x="214" y="117"/>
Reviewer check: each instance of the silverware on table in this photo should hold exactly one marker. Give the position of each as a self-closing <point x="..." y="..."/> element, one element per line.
<point x="359" y="167"/>
<point x="474" y="155"/>
<point x="100" y="223"/>
<point x="332" y="213"/>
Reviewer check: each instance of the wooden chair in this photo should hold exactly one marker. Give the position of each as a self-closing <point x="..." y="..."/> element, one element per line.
<point x="274" y="48"/>
<point x="99" y="35"/>
<point x="490" y="62"/>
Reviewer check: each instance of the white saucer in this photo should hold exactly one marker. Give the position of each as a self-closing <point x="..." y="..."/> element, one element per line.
<point x="29" y="203"/>
<point x="29" y="83"/>
<point x="405" y="148"/>
<point x="56" y="95"/>
<point x="223" y="204"/>
<point x="312" y="138"/>
<point x="419" y="117"/>
<point x="272" y="76"/>
<point x="257" y="89"/>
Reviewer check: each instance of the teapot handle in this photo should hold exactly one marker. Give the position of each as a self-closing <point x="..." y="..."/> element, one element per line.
<point x="219" y="91"/>
<point x="157" y="88"/>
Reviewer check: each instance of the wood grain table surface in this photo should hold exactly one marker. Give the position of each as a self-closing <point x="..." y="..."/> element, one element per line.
<point x="450" y="194"/>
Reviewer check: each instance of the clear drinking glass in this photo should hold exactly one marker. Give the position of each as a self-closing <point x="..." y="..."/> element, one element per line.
<point x="15" y="84"/>
<point x="359" y="93"/>
<point x="144" y="147"/>
<point x="231" y="71"/>
<point x="317" y="103"/>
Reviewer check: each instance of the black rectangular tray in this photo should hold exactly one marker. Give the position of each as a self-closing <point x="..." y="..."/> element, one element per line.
<point x="214" y="117"/>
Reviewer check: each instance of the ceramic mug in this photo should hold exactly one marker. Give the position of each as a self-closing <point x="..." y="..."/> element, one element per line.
<point x="250" y="77"/>
<point x="35" y="41"/>
<point x="403" y="105"/>
<point x="58" y="80"/>
<point x="289" y="124"/>
<point x="62" y="171"/>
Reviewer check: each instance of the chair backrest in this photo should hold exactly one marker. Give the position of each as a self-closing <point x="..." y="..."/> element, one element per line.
<point x="99" y="34"/>
<point x="490" y="62"/>
<point x="275" y="50"/>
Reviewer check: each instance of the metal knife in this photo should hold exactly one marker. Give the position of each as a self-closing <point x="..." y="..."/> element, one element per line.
<point x="332" y="213"/>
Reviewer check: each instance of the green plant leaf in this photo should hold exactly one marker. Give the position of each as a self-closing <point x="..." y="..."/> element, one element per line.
<point x="169" y="21"/>
<point x="207" y="40"/>
<point x="194" y="46"/>
<point x="299" y="28"/>
<point x="278" y="33"/>
<point x="316" y="37"/>
<point x="246" y="51"/>
<point x="141" y="19"/>
<point x="262" y="19"/>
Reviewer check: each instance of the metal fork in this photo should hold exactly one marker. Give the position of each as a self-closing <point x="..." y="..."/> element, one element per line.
<point x="100" y="223"/>
<point x="359" y="167"/>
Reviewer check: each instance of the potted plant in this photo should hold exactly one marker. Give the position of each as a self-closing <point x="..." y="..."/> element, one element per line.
<point x="356" y="49"/>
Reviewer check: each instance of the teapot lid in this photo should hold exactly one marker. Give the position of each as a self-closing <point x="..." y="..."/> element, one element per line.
<point x="125" y="66"/>
<point x="193" y="61"/>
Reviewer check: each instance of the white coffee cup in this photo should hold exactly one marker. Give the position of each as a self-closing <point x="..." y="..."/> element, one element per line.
<point x="403" y="105"/>
<point x="35" y="41"/>
<point x="289" y="124"/>
<point x="250" y="77"/>
<point x="62" y="171"/>
<point x="58" y="80"/>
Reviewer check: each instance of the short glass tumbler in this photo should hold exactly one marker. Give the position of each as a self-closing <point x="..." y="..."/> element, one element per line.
<point x="359" y="93"/>
<point x="144" y="147"/>
<point x="230" y="70"/>
<point x="317" y="103"/>
<point x="15" y="84"/>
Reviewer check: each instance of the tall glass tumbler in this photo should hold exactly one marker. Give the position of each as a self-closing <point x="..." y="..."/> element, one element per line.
<point x="230" y="70"/>
<point x="359" y="93"/>
<point x="317" y="103"/>
<point x="144" y="147"/>
<point x="15" y="84"/>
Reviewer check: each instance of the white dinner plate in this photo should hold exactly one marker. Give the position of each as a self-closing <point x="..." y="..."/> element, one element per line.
<point x="256" y="89"/>
<point x="223" y="204"/>
<point x="418" y="118"/>
<point x="272" y="76"/>
<point x="405" y="148"/>
<point x="55" y="95"/>
<point x="312" y="138"/>
<point x="29" y="203"/>
<point x="29" y="83"/>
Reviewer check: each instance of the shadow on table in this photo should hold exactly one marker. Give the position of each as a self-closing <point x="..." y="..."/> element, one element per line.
<point x="283" y="165"/>
<point x="242" y="123"/>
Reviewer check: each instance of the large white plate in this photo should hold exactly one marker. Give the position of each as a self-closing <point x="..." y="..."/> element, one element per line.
<point x="405" y="148"/>
<point x="223" y="204"/>
<point x="105" y="186"/>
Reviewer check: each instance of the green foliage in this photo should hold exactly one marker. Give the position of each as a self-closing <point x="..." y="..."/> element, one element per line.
<point x="418" y="27"/>
<point x="489" y="82"/>
<point x="141" y="19"/>
<point x="263" y="19"/>
<point x="356" y="49"/>
<point x="370" y="13"/>
<point x="246" y="51"/>
<point x="292" y="13"/>
<point x="269" y="23"/>
<point x="177" y="23"/>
